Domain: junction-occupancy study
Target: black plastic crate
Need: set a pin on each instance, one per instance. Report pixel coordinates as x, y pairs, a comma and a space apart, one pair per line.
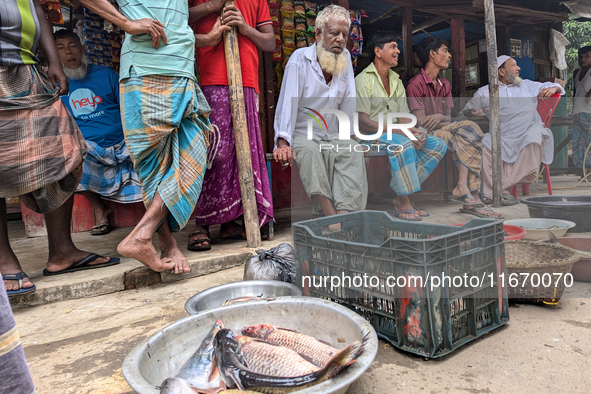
414, 317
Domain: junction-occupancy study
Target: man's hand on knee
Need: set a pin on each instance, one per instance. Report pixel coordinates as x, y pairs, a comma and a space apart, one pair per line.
284, 154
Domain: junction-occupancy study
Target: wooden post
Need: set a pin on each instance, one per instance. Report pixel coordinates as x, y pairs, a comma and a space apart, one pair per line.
458, 49
249, 203
407, 42
493, 87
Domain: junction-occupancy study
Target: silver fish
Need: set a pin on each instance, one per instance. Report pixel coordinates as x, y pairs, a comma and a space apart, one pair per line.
176, 386
201, 371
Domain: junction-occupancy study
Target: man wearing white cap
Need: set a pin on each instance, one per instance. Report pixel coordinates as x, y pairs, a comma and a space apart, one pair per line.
525, 142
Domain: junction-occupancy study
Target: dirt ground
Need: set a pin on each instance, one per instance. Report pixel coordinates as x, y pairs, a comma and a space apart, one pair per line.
78, 346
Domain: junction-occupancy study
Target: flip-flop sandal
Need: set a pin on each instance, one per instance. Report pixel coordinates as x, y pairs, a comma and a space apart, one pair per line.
486, 200
426, 214
508, 200
474, 211
196, 244
83, 264
21, 290
465, 199
101, 229
409, 211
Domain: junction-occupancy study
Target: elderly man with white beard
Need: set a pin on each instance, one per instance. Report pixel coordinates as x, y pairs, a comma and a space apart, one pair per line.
525, 142
316, 79
93, 101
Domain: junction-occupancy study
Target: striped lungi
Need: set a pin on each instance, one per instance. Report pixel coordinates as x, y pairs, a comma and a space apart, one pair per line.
464, 139
15, 375
166, 126
41, 147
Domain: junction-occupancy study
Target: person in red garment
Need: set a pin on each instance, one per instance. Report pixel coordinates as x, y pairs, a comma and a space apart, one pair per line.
220, 200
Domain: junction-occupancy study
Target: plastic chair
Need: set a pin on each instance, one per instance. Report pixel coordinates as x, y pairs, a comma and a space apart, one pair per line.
546, 110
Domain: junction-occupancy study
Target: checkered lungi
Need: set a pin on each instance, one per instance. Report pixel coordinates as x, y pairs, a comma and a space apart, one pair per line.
166, 126
109, 172
41, 147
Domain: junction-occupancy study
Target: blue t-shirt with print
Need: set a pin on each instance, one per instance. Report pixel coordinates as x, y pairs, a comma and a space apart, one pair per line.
94, 103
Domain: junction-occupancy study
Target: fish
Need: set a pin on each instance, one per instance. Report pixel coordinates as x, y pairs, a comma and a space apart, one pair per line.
176, 386
269, 359
312, 349
201, 371
236, 373
245, 299
234, 391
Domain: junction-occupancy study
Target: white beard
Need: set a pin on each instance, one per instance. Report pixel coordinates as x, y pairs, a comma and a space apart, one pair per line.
331, 63
513, 80
80, 72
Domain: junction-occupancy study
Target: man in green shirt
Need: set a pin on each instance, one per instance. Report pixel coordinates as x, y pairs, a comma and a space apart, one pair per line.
380, 91
165, 121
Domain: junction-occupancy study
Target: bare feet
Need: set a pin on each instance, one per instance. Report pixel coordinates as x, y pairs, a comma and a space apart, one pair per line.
66, 259
170, 251
13, 267
142, 250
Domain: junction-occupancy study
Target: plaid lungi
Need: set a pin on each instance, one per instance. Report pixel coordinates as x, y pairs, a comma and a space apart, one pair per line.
16, 378
464, 139
410, 167
41, 147
166, 125
109, 172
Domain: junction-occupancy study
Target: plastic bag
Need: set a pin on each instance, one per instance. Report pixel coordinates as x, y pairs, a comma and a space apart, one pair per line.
276, 264
558, 43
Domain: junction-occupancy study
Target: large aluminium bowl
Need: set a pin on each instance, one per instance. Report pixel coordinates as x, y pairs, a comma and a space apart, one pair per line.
216, 296
162, 356
538, 228
574, 208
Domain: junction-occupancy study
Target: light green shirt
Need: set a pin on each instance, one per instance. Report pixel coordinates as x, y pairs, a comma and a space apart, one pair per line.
177, 58
372, 97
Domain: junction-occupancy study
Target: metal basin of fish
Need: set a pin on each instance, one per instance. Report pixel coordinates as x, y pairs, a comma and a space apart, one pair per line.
162, 356
216, 296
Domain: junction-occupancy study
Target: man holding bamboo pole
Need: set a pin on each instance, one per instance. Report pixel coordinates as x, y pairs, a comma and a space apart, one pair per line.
165, 121
221, 198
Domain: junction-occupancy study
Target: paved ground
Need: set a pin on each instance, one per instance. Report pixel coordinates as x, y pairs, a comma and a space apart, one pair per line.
77, 328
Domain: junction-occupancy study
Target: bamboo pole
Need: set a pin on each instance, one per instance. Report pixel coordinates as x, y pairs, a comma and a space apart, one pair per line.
249, 203
493, 88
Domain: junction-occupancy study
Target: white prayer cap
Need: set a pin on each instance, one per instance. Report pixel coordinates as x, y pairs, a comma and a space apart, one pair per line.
501, 60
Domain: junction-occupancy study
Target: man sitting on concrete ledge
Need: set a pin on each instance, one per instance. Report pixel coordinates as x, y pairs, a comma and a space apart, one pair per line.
320, 78
93, 100
525, 142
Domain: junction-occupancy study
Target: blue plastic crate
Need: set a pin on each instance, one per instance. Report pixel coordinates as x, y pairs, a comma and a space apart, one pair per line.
427, 321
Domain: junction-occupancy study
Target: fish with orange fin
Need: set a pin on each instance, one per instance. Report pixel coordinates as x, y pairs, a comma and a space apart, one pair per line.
237, 373
201, 370
312, 349
269, 359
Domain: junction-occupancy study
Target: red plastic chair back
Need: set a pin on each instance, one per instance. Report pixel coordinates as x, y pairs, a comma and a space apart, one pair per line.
547, 107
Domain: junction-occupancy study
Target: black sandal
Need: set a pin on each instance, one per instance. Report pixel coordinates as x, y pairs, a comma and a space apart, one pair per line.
196, 244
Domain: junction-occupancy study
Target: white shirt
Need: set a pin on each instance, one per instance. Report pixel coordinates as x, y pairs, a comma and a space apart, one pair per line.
521, 124
304, 86
581, 88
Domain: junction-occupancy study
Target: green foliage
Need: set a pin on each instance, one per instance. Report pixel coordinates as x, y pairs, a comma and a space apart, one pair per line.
579, 35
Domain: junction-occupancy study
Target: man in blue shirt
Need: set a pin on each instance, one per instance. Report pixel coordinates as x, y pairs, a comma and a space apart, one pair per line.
94, 102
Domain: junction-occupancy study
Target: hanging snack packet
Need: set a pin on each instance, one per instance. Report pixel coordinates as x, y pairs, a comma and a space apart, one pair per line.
310, 9
288, 39
287, 20
276, 55
300, 38
300, 22
311, 40
277, 33
286, 55
287, 5
353, 15
274, 4
274, 12
298, 6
